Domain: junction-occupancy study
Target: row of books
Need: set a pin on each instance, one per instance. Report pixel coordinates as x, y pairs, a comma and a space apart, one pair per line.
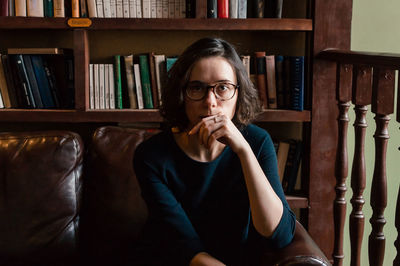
244, 8
289, 153
132, 82
279, 79
98, 8
29, 79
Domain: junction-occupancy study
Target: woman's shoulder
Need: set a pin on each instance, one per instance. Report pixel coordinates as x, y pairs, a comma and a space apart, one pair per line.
253, 132
155, 144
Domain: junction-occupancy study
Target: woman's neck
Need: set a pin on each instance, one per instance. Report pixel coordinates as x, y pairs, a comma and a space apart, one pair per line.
191, 145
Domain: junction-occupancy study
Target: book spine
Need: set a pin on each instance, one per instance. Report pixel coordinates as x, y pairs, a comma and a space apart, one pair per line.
183, 8
34, 8
146, 7
297, 82
259, 8
246, 63
113, 7
83, 7
1, 101
125, 6
101, 87
177, 6
106, 87
3, 85
100, 9
32, 81
107, 8
75, 8
165, 5
160, 72
117, 79
139, 89
4, 8
261, 78
271, 82
132, 8
51, 92
120, 9
25, 82
96, 86
212, 7
11, 8
130, 81
48, 8
159, 9
92, 8
112, 85
145, 77
139, 13
223, 8
280, 89
153, 80
59, 10
20, 8
171, 8
91, 87
10, 81
278, 8
153, 8
233, 8
242, 8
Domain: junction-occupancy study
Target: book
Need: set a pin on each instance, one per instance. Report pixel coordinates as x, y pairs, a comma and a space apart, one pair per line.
138, 86
119, 8
9, 80
48, 8
132, 8
223, 8
233, 8
11, 8
107, 8
153, 82
171, 8
32, 81
145, 77
153, 8
190, 8
170, 62
130, 81
92, 8
106, 87
286, 78
91, 87
273, 8
1, 101
297, 83
259, 6
75, 8
83, 9
112, 85
271, 82
161, 74
96, 79
242, 8
280, 88
164, 6
34, 8
59, 9
139, 13
282, 154
100, 9
182, 8
54, 85
125, 8
292, 166
47, 97
212, 6
4, 8
20, 8
117, 82
41, 50
159, 10
246, 63
3, 86
113, 7
23, 82
101, 87
260, 64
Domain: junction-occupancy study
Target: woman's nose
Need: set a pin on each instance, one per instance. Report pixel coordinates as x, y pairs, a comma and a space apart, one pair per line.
211, 98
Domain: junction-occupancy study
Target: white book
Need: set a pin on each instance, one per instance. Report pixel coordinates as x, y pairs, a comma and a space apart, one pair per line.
101, 86
91, 87
171, 8
35, 8
113, 7
59, 10
120, 9
233, 8
96, 86
106, 87
242, 9
161, 72
158, 8
20, 8
107, 8
125, 6
153, 8
92, 8
100, 10
1, 101
165, 6
111, 85
146, 9
183, 8
132, 8
138, 81
139, 9
130, 80
177, 12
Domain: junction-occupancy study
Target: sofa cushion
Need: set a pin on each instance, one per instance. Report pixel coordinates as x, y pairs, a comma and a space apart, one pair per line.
40, 184
114, 210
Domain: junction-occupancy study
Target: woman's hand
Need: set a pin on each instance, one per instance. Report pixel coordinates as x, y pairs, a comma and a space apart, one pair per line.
219, 128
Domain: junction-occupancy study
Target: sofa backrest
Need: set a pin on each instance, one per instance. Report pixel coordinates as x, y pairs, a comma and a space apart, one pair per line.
114, 211
40, 188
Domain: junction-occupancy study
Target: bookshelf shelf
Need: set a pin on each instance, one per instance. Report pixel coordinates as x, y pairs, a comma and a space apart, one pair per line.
125, 115
162, 24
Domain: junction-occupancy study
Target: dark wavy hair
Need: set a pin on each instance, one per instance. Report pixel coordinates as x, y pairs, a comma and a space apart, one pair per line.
173, 108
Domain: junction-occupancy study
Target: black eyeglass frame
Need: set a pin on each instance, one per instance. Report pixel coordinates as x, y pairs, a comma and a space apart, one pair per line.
208, 87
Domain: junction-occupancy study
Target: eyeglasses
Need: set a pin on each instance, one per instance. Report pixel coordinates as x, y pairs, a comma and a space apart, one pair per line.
223, 91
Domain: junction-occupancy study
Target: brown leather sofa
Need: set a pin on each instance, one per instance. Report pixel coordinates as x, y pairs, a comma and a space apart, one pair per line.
63, 205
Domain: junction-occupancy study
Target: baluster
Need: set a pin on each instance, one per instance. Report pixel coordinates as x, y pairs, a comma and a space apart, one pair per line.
362, 90
396, 261
344, 78
382, 106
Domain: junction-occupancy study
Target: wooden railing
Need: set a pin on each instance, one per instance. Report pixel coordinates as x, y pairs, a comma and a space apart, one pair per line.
363, 79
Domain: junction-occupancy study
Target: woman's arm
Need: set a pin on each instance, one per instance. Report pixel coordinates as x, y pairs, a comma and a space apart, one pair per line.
205, 259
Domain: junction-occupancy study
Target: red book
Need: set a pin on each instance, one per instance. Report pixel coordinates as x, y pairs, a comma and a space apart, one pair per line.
261, 77
223, 8
4, 8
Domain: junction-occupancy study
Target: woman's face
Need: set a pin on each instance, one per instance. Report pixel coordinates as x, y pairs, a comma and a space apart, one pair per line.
210, 70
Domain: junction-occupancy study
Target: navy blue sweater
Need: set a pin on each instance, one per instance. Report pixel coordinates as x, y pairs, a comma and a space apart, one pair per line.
203, 206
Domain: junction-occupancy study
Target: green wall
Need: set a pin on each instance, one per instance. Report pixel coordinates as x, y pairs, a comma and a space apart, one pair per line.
375, 27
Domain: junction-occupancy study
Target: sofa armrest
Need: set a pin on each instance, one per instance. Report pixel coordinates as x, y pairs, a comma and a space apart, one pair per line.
302, 251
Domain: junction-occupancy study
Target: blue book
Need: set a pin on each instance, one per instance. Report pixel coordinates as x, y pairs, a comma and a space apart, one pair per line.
43, 83
170, 61
32, 80
23, 75
297, 83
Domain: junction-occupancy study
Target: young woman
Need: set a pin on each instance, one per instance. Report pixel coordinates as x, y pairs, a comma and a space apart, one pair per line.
210, 182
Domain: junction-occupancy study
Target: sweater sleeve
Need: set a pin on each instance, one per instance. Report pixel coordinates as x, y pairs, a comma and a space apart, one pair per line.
164, 209
284, 232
